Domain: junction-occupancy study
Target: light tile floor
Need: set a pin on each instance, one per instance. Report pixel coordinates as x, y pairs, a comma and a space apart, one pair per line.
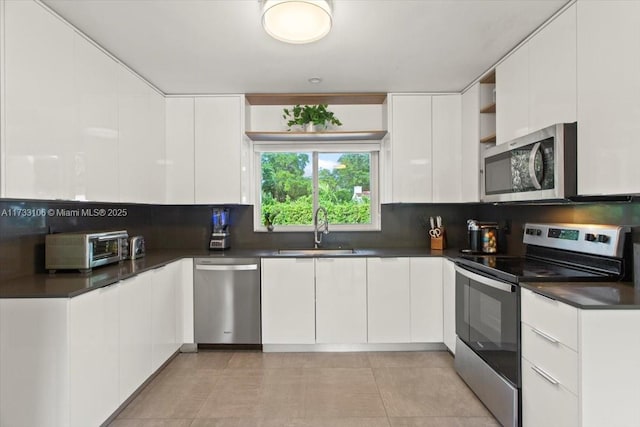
253, 389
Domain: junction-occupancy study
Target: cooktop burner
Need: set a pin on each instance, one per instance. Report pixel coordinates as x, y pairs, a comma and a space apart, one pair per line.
522, 269
560, 253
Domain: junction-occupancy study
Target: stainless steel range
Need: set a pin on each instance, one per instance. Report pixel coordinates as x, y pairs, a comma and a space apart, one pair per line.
488, 301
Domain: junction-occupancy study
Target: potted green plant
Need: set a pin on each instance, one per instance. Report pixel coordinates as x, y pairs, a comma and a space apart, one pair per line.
310, 117
268, 220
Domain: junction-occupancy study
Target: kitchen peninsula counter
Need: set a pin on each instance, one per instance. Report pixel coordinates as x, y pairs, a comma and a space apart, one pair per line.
590, 295
68, 284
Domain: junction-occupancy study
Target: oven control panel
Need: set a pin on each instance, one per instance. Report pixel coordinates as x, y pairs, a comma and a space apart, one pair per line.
606, 240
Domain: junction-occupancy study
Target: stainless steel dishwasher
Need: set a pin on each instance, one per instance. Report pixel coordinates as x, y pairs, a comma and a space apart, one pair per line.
227, 300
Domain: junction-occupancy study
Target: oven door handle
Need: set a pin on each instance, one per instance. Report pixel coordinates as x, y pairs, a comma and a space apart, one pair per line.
502, 286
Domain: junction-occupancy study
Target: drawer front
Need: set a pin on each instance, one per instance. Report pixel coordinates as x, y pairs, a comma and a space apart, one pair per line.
556, 359
544, 403
553, 318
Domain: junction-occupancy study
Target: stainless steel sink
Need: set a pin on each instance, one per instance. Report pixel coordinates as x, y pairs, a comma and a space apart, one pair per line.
319, 251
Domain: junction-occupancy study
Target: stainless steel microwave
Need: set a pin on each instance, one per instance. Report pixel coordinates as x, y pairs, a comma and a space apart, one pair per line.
538, 166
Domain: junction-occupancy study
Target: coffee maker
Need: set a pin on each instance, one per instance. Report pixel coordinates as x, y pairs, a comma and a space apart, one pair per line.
219, 229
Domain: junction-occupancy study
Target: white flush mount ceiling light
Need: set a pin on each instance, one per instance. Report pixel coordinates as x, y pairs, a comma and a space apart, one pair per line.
297, 21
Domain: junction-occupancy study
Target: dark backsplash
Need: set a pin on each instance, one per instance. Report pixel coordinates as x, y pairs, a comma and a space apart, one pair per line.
24, 224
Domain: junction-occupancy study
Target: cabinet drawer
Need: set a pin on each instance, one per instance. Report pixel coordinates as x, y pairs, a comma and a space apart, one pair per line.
551, 317
544, 402
556, 359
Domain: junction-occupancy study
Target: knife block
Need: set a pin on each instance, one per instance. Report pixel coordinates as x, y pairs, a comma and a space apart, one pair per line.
438, 243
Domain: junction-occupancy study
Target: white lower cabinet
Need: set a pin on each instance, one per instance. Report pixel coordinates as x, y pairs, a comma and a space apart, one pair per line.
341, 300
545, 403
579, 367
426, 299
93, 347
163, 314
135, 333
388, 300
352, 300
288, 301
74, 361
449, 304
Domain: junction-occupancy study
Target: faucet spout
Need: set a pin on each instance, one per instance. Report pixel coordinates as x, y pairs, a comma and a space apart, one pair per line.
318, 227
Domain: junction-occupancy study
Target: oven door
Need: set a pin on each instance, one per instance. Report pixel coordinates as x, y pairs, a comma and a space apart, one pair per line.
488, 321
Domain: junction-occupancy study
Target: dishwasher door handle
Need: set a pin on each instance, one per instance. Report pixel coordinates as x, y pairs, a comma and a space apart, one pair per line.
222, 267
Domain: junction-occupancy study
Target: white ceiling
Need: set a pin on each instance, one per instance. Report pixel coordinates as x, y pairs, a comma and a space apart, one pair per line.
219, 46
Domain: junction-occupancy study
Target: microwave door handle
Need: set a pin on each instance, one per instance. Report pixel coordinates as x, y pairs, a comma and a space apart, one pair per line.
505, 287
532, 163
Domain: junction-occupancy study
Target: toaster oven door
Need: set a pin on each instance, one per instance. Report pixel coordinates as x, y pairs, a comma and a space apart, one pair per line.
104, 250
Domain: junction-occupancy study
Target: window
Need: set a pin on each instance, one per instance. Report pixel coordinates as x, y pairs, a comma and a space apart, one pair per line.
293, 183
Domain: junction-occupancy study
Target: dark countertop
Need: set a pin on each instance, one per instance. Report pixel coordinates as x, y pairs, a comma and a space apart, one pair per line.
590, 295
69, 284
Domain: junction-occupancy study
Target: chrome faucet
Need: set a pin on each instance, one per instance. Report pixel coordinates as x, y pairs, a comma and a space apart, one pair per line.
317, 239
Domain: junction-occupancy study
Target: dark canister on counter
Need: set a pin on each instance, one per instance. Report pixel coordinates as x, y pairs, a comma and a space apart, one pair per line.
483, 236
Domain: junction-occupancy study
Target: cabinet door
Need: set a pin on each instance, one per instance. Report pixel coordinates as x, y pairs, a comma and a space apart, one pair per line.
185, 302
543, 401
608, 97
38, 102
341, 300
447, 148
512, 96
163, 316
388, 300
552, 73
426, 299
93, 356
218, 148
288, 301
180, 148
34, 365
449, 304
470, 163
135, 333
96, 131
411, 148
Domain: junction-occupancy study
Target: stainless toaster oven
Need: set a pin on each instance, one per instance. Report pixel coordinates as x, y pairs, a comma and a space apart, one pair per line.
83, 251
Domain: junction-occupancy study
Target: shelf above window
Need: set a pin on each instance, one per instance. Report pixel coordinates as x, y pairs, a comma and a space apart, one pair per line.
315, 98
365, 135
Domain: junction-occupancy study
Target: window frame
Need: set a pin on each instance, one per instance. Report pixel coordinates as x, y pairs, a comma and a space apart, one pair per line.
373, 148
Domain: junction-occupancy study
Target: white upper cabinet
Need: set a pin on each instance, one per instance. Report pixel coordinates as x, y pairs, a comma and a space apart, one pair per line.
608, 97
39, 104
552, 73
95, 156
219, 129
180, 150
411, 142
512, 96
141, 142
470, 161
341, 300
447, 148
536, 84
78, 125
